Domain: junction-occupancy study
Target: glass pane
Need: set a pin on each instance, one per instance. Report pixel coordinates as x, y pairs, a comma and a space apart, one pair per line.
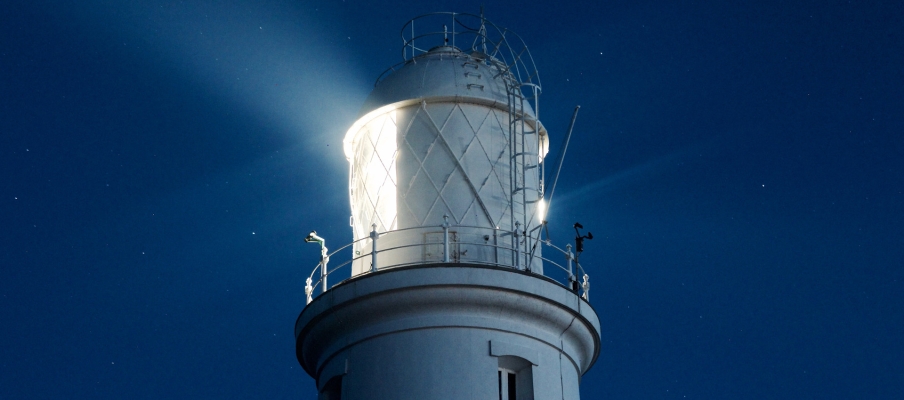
374, 180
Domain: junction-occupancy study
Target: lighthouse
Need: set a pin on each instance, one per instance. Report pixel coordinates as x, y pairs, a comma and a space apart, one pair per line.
448, 289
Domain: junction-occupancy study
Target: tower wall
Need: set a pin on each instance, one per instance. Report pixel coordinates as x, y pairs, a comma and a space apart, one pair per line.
444, 332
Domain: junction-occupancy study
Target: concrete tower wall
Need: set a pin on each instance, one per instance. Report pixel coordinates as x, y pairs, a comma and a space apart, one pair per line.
445, 332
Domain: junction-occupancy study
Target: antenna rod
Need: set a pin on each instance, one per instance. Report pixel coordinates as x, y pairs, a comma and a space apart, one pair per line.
561, 159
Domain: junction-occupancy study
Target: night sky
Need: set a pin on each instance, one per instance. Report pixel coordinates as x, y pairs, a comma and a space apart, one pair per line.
741, 167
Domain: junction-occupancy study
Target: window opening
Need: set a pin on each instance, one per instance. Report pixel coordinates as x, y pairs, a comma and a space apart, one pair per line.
332, 390
508, 384
500, 384
515, 378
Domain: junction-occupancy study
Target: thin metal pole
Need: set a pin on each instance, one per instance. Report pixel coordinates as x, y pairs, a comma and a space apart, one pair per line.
542, 164
324, 259
453, 29
373, 252
496, 245
483, 32
523, 157
445, 238
561, 160
512, 151
568, 257
517, 245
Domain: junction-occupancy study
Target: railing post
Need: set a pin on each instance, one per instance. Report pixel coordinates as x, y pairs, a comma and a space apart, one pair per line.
496, 245
445, 238
453, 29
586, 286
308, 290
373, 252
324, 259
571, 279
517, 245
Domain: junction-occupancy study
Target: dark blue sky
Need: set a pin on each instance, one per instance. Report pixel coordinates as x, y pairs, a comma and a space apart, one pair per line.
741, 167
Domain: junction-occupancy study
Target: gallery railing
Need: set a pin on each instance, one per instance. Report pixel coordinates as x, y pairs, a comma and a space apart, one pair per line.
515, 256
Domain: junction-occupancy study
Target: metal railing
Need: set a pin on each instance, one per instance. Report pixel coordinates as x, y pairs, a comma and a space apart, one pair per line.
511, 256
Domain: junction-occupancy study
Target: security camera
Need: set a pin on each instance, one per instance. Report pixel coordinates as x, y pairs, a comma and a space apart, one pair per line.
313, 238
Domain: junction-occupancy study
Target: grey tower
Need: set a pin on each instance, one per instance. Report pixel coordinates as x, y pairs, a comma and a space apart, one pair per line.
447, 292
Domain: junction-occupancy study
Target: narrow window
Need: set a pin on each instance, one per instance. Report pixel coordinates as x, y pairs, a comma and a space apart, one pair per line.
332, 390
512, 395
500, 384
508, 384
515, 379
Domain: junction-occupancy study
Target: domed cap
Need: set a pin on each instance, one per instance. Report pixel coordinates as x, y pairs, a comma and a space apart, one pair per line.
444, 73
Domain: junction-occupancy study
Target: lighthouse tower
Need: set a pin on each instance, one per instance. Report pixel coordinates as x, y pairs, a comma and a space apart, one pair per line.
448, 289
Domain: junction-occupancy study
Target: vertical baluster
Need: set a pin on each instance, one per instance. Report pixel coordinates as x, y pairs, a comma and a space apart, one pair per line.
373, 252
445, 238
324, 259
517, 245
572, 282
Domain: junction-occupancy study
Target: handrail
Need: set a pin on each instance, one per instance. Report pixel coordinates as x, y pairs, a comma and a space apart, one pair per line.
517, 251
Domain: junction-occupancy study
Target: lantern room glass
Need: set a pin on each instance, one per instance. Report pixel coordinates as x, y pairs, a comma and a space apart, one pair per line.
373, 176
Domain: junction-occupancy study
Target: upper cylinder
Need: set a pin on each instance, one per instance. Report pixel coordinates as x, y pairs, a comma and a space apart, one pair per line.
451, 137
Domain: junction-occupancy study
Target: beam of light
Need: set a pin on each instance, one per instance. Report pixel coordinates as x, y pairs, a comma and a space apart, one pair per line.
270, 59
652, 167
276, 61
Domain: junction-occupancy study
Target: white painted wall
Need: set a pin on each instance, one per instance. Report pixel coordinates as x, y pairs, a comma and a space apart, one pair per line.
437, 332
